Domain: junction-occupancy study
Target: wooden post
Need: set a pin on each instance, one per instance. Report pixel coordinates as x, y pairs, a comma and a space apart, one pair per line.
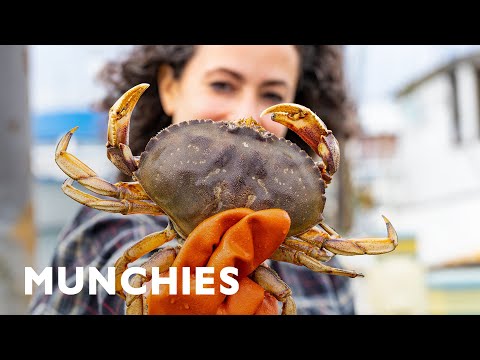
345, 193
17, 233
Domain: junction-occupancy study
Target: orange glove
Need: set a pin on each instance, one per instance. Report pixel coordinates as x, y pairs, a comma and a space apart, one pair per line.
241, 238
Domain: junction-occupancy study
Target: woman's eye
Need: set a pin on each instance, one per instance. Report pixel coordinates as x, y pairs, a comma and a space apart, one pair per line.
273, 97
221, 86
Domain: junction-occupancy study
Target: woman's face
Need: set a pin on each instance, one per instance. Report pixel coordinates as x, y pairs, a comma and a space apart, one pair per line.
230, 82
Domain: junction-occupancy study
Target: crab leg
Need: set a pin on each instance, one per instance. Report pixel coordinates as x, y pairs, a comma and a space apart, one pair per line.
329, 230
162, 259
268, 279
313, 131
137, 250
124, 206
317, 252
305, 250
119, 115
290, 255
331, 241
80, 172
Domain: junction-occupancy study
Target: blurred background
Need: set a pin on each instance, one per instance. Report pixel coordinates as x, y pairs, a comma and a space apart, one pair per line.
417, 161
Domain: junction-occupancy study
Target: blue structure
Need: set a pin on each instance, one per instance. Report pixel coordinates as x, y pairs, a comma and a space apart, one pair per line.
48, 127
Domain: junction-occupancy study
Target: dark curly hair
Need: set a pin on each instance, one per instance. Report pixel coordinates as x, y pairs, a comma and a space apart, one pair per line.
321, 88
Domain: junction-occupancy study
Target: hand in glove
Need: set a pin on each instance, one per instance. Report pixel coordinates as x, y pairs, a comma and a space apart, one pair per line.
240, 238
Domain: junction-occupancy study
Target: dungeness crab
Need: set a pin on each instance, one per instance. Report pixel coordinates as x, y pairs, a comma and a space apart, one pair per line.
195, 169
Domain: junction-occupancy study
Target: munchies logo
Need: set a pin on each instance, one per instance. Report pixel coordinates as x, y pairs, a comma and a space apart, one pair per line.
96, 278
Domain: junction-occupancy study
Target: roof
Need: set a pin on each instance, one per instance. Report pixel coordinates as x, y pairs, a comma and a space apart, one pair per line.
472, 58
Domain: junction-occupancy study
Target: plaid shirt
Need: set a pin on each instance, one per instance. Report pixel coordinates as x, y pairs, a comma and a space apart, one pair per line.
97, 239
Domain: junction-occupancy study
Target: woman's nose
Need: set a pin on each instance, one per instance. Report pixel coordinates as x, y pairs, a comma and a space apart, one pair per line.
245, 110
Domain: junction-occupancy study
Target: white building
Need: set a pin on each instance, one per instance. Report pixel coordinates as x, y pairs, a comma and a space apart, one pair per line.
438, 161
422, 171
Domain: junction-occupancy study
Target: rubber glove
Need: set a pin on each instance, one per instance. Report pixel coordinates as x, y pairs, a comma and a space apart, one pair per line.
241, 238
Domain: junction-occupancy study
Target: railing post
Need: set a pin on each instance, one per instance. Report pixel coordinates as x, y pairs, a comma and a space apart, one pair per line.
17, 230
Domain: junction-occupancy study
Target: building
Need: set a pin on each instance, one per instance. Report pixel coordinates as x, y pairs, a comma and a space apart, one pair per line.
443, 111
425, 177
439, 153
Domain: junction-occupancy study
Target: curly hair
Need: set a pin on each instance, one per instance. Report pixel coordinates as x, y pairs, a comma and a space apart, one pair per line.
321, 88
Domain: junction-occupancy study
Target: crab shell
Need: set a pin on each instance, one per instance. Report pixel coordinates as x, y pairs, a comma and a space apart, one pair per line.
198, 168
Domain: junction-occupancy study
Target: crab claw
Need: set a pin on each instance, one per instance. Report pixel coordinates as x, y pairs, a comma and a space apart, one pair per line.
119, 115
312, 130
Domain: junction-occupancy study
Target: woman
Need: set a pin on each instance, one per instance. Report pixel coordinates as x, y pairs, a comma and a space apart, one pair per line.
218, 82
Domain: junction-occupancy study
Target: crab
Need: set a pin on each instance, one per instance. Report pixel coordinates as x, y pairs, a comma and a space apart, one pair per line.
198, 168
